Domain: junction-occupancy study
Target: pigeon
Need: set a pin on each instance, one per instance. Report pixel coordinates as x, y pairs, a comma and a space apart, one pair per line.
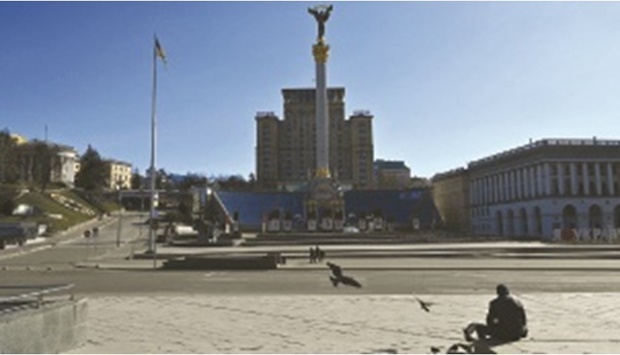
425, 305
338, 278
460, 348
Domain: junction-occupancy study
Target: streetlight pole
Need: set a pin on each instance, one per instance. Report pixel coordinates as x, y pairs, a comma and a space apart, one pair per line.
120, 217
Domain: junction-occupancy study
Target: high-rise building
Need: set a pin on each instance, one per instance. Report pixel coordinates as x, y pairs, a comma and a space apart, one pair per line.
286, 148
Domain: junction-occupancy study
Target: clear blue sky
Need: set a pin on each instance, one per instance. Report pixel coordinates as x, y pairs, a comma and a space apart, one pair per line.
447, 82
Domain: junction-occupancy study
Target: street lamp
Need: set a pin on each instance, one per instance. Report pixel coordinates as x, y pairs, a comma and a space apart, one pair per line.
120, 213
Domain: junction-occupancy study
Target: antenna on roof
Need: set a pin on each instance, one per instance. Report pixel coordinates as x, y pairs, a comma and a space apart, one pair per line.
45, 133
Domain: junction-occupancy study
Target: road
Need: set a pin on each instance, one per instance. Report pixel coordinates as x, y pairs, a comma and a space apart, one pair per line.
55, 265
64, 255
101, 282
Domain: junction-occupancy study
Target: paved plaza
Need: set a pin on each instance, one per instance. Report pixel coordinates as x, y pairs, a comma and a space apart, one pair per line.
194, 323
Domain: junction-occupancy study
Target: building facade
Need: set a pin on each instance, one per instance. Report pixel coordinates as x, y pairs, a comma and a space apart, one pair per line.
286, 148
391, 174
62, 164
118, 175
451, 196
546, 187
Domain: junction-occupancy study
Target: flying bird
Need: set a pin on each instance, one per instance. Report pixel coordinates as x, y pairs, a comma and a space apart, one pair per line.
339, 278
424, 305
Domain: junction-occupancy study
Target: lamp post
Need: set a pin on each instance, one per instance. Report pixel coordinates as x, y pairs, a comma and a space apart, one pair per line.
120, 214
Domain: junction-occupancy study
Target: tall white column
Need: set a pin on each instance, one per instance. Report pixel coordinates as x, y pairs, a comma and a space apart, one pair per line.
320, 51
573, 179
519, 184
586, 179
322, 127
476, 189
540, 180
610, 179
491, 189
487, 190
502, 187
509, 185
532, 182
495, 188
526, 183
560, 168
547, 179
597, 178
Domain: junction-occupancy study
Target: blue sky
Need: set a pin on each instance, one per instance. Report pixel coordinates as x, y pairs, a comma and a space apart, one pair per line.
448, 82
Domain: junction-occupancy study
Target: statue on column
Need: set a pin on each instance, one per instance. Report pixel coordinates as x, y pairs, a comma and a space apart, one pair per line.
321, 14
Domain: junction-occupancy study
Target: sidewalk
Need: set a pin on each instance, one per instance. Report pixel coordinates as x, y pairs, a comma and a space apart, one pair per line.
558, 323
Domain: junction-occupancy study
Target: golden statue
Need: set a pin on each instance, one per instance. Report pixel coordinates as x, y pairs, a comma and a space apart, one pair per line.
321, 14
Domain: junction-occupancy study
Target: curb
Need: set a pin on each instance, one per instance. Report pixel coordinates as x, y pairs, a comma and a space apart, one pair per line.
103, 266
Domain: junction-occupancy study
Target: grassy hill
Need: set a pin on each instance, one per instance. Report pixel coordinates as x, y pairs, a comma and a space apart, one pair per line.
59, 208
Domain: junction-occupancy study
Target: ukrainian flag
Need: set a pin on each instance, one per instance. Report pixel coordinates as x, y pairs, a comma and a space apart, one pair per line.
159, 51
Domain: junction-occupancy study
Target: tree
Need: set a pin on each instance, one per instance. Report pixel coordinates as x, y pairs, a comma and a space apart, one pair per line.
46, 157
192, 180
252, 182
232, 183
9, 163
92, 174
162, 180
136, 179
37, 161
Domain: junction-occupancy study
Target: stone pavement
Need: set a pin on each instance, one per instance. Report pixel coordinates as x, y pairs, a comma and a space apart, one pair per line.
558, 323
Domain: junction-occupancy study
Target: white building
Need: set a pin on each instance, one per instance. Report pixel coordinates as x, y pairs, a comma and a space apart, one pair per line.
548, 186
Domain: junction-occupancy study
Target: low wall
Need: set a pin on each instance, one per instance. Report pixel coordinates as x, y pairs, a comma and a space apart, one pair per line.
52, 328
229, 262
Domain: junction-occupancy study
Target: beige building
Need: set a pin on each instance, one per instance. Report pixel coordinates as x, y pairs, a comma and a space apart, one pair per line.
118, 175
451, 196
286, 149
392, 174
62, 164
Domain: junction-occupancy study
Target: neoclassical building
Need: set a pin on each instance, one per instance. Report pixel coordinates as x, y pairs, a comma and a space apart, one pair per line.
547, 186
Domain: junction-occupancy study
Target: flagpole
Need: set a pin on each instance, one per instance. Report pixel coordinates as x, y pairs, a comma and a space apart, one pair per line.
152, 236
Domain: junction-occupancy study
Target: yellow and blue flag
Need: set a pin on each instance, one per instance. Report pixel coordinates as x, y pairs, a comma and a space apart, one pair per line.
159, 51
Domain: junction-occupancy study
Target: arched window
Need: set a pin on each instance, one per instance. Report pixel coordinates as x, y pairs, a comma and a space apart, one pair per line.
523, 221
569, 217
538, 221
500, 223
511, 223
617, 216
595, 217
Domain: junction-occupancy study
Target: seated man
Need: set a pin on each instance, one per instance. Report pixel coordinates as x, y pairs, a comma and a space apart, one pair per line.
506, 320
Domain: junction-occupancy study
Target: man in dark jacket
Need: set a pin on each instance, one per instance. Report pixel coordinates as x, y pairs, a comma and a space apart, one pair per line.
506, 319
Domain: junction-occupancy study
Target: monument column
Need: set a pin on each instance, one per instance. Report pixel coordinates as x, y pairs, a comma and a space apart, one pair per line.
320, 51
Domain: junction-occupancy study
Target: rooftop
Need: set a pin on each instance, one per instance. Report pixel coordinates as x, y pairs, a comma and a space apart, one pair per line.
544, 143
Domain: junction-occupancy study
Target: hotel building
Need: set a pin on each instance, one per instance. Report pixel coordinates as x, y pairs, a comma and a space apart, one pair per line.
286, 148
